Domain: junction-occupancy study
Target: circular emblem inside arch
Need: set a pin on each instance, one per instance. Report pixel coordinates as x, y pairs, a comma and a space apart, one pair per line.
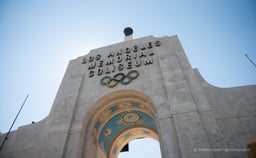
131, 117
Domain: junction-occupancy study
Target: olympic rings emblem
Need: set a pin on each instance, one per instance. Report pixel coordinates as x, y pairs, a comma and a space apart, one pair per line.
111, 82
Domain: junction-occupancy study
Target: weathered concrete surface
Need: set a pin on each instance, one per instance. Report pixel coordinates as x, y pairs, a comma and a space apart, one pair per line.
194, 118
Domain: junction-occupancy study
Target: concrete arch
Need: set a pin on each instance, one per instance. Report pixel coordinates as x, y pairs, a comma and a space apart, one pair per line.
133, 133
130, 113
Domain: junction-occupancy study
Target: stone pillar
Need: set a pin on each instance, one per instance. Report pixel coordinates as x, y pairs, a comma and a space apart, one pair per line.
168, 139
190, 131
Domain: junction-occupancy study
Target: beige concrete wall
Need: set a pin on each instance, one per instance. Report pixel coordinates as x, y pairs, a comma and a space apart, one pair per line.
192, 114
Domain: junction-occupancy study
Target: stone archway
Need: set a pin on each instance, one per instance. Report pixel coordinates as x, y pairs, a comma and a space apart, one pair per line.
116, 119
129, 135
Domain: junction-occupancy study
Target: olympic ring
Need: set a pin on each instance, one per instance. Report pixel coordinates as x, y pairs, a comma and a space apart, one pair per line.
111, 82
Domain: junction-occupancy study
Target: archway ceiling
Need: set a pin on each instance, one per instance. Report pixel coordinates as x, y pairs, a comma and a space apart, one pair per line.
118, 118
111, 110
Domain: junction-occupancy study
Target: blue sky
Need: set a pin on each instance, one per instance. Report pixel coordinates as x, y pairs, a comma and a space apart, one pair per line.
38, 38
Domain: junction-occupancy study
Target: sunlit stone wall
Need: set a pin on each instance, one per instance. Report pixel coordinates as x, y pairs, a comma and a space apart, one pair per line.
189, 117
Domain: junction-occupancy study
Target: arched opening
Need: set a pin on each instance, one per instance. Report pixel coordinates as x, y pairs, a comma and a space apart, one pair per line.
128, 135
145, 147
116, 119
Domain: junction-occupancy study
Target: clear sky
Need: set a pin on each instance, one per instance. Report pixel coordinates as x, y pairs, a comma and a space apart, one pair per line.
39, 37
